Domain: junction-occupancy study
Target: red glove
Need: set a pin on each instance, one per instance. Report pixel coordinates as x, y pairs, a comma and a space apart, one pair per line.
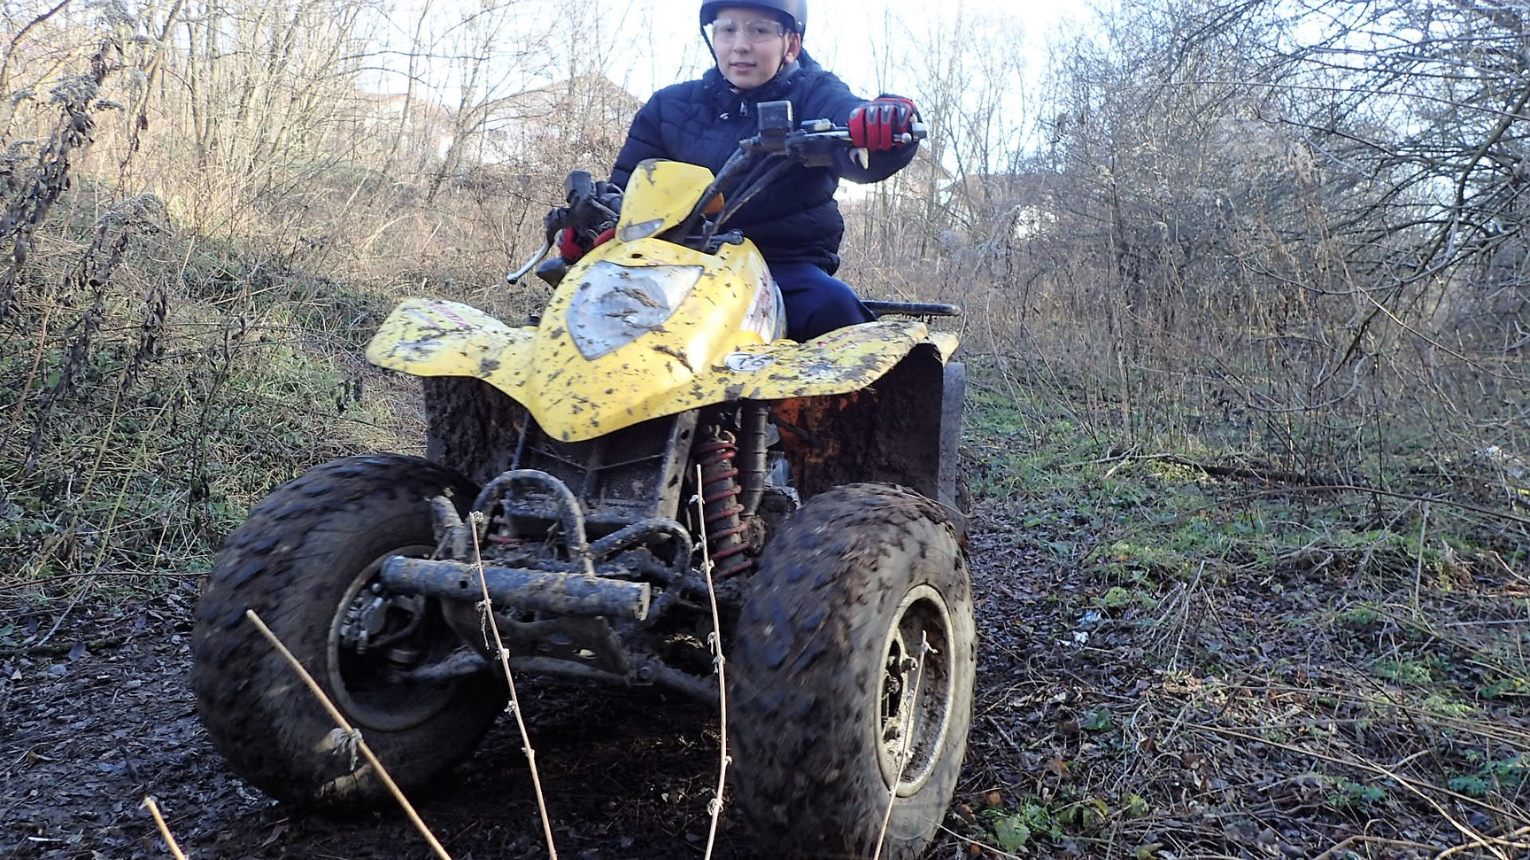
876, 125
570, 248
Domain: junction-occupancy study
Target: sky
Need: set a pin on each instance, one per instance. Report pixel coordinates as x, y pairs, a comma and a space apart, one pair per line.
475, 52
853, 39
644, 45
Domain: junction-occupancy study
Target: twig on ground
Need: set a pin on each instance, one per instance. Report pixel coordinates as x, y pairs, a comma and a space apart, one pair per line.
351, 731
78, 595
126, 574
152, 805
714, 807
1508, 569
1483, 658
1500, 733
1509, 842
1476, 839
1343, 847
1008, 738
515, 702
1179, 604
984, 846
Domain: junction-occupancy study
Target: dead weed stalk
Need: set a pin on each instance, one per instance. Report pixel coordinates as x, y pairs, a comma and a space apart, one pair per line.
1175, 617
908, 741
152, 805
75, 132
715, 805
92, 275
515, 703
351, 732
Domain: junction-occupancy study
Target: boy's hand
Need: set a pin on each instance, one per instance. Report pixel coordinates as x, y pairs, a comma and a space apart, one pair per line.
568, 245
571, 247
877, 125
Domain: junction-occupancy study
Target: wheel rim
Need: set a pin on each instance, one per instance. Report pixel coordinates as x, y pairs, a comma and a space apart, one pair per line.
361, 682
914, 700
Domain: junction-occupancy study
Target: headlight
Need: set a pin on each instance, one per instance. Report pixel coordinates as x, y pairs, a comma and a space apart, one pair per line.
614, 305
641, 230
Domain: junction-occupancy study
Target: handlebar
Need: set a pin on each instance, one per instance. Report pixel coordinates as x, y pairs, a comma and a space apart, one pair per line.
814, 143
798, 142
916, 131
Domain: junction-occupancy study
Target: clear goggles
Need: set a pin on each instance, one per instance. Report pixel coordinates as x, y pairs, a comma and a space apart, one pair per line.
759, 30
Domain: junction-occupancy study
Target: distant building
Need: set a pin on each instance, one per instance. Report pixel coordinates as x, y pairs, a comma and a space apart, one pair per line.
917, 182
422, 128
1023, 201
573, 121
568, 122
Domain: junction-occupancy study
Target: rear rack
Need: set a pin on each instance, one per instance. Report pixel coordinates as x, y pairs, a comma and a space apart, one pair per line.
913, 309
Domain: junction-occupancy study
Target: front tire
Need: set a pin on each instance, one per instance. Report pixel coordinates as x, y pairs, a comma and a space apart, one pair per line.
852, 670
306, 561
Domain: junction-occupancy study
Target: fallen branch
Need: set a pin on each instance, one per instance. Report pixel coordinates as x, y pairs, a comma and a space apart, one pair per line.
351, 731
1325, 483
1342, 847
56, 649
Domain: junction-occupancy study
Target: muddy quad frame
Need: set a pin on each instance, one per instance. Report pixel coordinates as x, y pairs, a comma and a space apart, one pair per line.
630, 491
834, 531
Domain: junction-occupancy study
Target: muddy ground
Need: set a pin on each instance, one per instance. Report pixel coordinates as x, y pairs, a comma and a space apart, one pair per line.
1095, 735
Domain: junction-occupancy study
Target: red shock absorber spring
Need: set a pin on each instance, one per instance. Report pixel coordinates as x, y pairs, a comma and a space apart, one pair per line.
719, 504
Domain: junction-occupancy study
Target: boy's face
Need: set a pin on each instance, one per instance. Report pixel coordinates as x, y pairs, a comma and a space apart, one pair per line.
745, 63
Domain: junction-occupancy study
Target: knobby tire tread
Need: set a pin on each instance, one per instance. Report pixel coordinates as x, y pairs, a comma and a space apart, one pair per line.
799, 671
255, 708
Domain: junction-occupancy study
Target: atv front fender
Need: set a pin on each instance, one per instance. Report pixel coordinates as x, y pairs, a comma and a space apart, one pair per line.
434, 337
425, 337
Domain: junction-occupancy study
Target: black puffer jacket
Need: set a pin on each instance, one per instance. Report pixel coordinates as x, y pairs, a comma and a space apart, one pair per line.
702, 121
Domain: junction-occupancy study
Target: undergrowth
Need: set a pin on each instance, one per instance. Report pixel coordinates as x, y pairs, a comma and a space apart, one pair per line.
140, 421
1235, 660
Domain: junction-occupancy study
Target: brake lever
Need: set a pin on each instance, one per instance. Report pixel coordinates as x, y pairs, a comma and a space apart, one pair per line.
514, 277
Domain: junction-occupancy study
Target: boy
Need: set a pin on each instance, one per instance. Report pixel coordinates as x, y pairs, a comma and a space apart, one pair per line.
796, 224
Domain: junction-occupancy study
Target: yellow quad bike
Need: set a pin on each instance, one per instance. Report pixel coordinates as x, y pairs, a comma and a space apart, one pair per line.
580, 469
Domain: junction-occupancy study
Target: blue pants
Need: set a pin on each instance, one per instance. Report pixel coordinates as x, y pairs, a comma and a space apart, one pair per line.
816, 301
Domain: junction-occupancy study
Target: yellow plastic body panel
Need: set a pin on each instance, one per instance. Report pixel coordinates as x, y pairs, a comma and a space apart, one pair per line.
434, 337
660, 195
574, 399
719, 342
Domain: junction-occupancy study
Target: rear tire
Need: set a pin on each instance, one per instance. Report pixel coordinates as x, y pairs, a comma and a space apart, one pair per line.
825, 681
304, 561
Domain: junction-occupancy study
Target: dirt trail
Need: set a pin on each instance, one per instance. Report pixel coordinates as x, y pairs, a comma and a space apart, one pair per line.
102, 715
